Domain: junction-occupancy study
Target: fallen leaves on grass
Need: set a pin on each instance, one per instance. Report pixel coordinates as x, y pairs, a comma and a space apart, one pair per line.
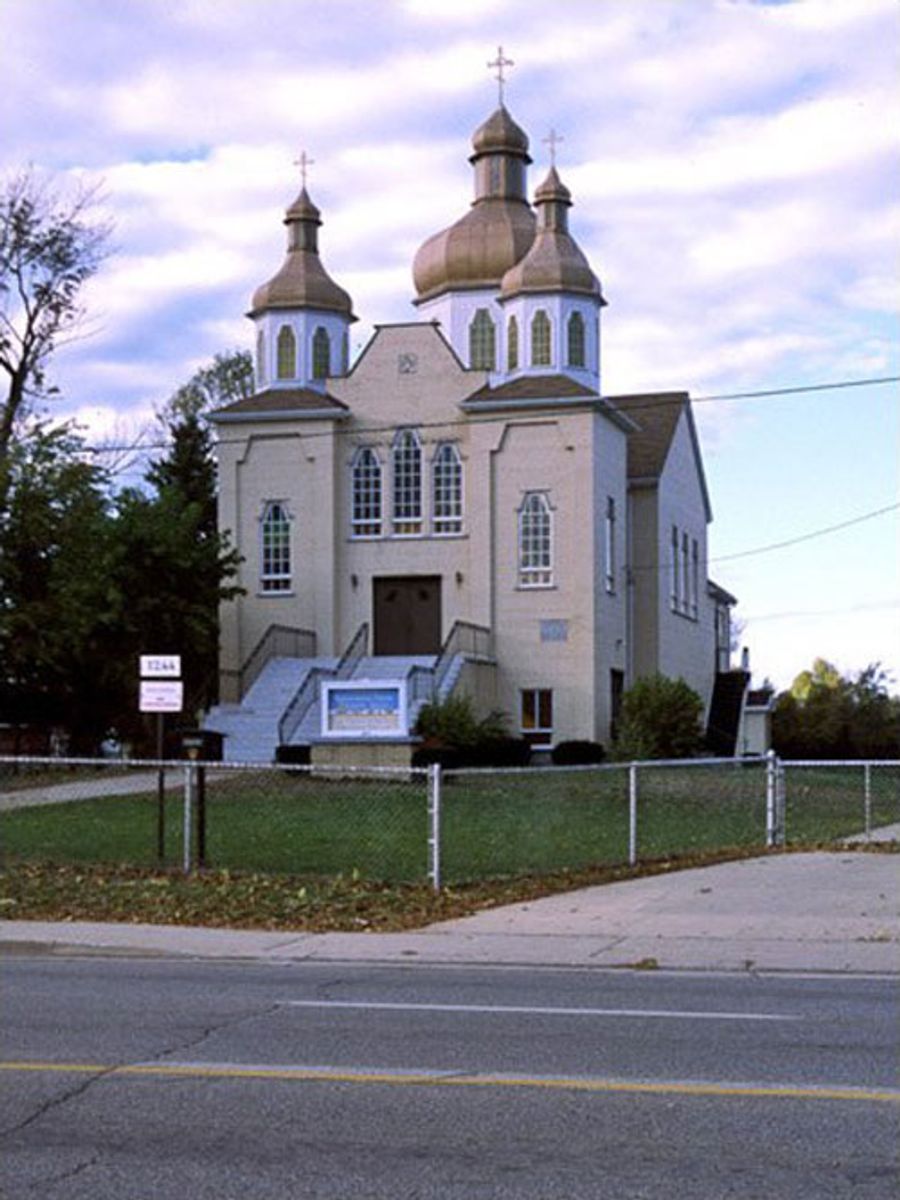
252, 900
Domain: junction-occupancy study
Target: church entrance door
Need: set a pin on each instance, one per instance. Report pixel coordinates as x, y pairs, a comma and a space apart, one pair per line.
406, 613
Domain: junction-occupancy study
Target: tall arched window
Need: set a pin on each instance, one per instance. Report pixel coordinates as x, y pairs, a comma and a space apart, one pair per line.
275, 538
576, 340
321, 353
260, 358
482, 341
287, 353
535, 541
366, 520
540, 339
446, 490
407, 463
512, 344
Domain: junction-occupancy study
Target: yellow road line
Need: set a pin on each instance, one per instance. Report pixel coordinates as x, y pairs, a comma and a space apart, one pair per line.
446, 1079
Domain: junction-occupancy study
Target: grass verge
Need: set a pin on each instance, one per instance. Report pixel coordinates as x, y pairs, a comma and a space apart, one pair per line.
250, 900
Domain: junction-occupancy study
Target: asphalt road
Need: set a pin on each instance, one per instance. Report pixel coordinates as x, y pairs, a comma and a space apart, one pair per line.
153, 1079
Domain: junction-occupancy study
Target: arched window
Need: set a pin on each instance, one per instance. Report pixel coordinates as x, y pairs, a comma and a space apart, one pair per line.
540, 339
535, 541
275, 536
287, 353
366, 520
576, 340
260, 358
321, 353
407, 462
345, 352
482, 341
512, 344
446, 490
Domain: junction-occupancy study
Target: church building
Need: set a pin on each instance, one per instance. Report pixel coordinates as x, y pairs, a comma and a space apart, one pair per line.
461, 510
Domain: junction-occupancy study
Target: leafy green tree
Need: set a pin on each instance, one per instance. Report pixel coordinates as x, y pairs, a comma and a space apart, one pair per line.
827, 715
661, 718
50, 246
228, 377
54, 608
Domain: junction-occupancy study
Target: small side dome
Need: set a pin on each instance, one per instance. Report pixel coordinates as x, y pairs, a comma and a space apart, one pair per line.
555, 262
302, 281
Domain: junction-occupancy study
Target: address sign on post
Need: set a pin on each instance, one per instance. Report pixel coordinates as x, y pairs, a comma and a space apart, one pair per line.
160, 666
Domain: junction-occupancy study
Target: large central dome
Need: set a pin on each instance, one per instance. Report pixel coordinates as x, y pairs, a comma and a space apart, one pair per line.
479, 249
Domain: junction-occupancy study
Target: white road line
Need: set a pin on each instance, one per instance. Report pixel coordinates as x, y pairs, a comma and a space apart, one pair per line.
530, 1010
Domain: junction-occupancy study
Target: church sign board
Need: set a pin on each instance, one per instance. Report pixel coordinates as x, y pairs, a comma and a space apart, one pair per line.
364, 709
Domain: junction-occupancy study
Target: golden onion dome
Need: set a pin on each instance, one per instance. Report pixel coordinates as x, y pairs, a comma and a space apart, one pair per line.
302, 281
478, 249
554, 262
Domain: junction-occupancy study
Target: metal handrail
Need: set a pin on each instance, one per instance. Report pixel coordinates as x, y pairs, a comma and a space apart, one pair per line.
475, 641
307, 694
279, 641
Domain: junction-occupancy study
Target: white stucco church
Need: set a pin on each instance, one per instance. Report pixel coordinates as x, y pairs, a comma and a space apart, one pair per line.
462, 509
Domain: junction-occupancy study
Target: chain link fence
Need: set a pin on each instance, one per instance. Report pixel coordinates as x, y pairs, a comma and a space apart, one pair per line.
411, 824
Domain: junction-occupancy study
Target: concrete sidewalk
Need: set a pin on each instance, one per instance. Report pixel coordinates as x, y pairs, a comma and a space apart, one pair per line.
793, 912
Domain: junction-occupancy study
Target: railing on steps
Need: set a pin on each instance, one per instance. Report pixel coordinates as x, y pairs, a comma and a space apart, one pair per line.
465, 638
308, 692
279, 641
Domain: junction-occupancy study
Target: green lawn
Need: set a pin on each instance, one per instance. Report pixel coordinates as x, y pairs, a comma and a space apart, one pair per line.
493, 824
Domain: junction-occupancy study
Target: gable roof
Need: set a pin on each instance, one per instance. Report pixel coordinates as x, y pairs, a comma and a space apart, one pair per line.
532, 391
656, 415
278, 404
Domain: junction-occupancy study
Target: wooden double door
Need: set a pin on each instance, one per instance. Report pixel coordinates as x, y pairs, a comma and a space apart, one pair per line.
406, 614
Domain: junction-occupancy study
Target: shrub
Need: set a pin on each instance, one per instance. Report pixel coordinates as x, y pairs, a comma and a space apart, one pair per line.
455, 737
661, 718
577, 753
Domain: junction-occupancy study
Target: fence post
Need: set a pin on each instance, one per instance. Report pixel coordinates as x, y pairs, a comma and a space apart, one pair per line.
867, 776
188, 814
434, 825
632, 813
771, 798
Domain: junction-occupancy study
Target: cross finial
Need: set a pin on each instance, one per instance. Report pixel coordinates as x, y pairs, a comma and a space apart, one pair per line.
303, 162
500, 62
552, 140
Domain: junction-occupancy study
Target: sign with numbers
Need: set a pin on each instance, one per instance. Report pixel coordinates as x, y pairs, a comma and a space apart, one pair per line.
160, 666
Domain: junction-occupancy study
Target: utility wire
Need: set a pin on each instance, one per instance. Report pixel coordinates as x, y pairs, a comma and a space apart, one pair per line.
671, 398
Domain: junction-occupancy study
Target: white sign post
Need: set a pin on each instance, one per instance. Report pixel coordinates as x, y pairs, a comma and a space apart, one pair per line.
161, 691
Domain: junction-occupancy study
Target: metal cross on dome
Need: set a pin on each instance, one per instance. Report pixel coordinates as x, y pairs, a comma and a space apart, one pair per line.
552, 140
303, 162
500, 62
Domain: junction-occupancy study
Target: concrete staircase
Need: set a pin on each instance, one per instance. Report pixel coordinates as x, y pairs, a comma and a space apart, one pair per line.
251, 727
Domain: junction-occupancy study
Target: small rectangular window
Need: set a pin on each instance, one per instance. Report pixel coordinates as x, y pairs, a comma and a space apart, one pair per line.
610, 547
685, 573
695, 577
676, 582
537, 716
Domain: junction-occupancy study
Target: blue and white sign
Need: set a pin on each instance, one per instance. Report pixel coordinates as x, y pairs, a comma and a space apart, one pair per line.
364, 709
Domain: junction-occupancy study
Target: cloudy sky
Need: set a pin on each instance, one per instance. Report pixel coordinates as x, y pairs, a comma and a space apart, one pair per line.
734, 167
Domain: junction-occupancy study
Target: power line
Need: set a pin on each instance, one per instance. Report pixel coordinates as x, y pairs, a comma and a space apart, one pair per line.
667, 564
808, 537
876, 606
451, 423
